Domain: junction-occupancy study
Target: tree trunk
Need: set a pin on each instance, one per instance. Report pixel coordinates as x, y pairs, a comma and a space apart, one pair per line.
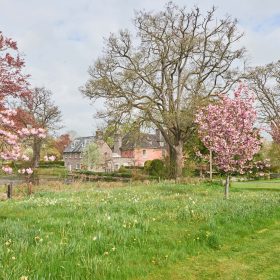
37, 144
176, 160
172, 162
211, 165
227, 187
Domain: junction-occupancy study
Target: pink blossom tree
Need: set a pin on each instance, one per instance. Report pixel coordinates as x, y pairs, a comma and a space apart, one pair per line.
13, 84
226, 128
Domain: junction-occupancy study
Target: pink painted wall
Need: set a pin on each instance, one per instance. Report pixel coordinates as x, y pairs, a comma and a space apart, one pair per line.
140, 156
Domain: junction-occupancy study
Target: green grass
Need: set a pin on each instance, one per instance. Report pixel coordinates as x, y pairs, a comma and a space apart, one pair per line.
52, 171
273, 185
162, 231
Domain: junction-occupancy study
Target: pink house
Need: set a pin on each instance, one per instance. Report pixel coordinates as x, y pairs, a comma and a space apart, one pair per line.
145, 147
129, 150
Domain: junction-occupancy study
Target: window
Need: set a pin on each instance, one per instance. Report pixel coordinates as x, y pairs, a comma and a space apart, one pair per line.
81, 156
70, 155
65, 156
144, 152
77, 166
76, 156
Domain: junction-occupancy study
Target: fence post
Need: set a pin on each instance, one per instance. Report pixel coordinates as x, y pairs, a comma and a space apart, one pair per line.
10, 190
29, 188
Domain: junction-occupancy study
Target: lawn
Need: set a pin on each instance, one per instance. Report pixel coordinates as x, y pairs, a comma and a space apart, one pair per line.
258, 185
160, 231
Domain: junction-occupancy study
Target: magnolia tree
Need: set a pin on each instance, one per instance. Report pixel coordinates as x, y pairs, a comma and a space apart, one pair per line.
13, 84
226, 128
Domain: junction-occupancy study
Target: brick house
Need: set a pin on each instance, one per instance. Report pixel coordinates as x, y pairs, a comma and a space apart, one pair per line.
72, 155
127, 151
140, 148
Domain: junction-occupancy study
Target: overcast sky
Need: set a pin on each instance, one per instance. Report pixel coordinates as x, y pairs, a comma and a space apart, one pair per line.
61, 38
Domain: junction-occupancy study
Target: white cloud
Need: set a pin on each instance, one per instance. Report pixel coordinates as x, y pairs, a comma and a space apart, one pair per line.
61, 38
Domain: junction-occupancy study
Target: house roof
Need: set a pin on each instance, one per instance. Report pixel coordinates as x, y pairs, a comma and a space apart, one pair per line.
77, 145
144, 140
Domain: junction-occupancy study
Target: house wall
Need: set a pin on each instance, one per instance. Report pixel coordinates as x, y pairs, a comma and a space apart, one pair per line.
127, 153
72, 161
141, 155
115, 163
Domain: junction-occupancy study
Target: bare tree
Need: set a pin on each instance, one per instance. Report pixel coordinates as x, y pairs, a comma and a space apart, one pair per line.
159, 76
45, 114
265, 82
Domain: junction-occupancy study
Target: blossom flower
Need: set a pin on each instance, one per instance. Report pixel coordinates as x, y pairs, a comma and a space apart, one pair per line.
7, 169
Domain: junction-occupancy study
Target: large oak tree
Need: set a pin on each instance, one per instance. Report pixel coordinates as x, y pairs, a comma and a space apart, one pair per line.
176, 58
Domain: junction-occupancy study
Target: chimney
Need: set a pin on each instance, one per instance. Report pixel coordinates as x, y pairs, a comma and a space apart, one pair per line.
98, 135
117, 143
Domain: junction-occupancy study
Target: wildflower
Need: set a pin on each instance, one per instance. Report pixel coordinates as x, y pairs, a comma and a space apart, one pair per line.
29, 171
106, 253
23, 278
114, 249
8, 243
13, 258
94, 238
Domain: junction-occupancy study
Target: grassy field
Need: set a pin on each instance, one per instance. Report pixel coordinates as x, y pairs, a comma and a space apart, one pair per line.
273, 185
160, 231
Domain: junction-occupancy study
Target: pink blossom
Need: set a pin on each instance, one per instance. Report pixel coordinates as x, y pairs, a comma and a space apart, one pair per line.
227, 128
29, 171
7, 169
25, 158
52, 158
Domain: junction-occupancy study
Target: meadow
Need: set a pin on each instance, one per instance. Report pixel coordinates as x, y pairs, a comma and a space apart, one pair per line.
141, 231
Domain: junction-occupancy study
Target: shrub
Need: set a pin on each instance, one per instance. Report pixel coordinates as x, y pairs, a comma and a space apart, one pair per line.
49, 164
123, 169
157, 168
147, 166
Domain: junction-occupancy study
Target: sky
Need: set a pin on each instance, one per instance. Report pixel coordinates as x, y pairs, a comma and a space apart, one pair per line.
60, 39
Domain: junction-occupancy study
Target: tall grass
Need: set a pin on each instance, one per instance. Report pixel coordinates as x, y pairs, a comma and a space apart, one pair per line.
129, 232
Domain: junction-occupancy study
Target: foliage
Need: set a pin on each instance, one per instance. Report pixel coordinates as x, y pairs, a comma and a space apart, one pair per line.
160, 76
61, 143
264, 80
227, 128
91, 156
13, 87
156, 168
160, 231
110, 174
44, 113
51, 164
123, 169
147, 166
274, 156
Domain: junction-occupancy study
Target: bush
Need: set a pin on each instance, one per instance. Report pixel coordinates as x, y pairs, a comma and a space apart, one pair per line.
147, 166
49, 164
157, 168
105, 174
123, 169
